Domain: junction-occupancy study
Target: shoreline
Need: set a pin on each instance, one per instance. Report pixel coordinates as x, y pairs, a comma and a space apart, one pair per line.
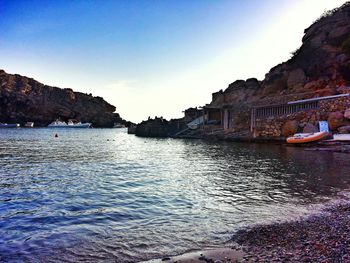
224, 254
323, 236
320, 237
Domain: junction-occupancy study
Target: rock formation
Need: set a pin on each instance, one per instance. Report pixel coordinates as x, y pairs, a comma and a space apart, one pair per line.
159, 127
290, 128
320, 67
24, 99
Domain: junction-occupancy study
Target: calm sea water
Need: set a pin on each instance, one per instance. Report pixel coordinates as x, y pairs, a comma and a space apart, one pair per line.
101, 195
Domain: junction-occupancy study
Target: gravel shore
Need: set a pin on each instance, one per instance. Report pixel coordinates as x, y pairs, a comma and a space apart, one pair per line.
324, 237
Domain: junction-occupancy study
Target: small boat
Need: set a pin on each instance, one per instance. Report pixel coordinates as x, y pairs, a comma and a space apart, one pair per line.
70, 124
195, 124
307, 137
118, 125
9, 125
58, 124
29, 124
341, 137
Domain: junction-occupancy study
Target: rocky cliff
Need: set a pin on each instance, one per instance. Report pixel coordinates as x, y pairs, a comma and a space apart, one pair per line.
24, 99
320, 67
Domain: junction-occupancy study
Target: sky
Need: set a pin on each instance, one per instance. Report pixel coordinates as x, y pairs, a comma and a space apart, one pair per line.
155, 57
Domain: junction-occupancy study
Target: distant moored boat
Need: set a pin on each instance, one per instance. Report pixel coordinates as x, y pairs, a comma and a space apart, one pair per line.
29, 124
70, 124
118, 125
9, 125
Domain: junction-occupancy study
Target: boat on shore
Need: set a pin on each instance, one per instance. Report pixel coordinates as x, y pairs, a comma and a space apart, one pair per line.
70, 124
118, 125
341, 137
29, 124
9, 125
307, 137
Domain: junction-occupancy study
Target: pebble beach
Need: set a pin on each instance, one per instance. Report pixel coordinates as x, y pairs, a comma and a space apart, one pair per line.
324, 237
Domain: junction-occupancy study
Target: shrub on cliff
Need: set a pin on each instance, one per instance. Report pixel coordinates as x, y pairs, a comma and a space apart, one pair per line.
346, 45
328, 13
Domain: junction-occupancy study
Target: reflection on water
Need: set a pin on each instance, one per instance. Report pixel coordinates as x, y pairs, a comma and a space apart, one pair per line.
100, 195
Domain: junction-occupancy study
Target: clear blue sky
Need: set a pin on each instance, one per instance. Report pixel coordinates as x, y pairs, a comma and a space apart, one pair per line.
151, 57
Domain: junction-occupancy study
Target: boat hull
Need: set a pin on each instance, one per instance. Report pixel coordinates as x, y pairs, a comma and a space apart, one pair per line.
5, 125
87, 125
29, 124
341, 137
307, 137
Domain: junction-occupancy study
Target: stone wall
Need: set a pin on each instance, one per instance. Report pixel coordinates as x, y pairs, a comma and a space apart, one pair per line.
332, 110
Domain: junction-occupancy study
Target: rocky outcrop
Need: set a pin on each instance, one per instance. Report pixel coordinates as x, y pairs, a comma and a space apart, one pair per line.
347, 114
335, 120
320, 67
24, 99
159, 127
344, 129
290, 128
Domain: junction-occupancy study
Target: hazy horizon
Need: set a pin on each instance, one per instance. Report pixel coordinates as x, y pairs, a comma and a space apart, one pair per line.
151, 58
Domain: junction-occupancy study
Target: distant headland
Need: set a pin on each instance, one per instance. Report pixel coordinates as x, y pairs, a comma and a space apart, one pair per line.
24, 99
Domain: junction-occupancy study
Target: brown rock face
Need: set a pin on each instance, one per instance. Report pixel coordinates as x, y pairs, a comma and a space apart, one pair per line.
320, 67
24, 99
290, 128
344, 129
347, 114
296, 79
335, 120
157, 127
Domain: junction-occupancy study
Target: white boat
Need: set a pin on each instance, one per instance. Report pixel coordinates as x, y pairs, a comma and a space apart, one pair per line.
70, 124
9, 125
195, 123
118, 125
341, 137
29, 124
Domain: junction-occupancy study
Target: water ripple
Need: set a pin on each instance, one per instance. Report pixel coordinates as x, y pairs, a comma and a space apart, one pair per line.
102, 195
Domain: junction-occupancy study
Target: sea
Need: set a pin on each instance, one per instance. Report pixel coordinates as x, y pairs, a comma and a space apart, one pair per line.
101, 195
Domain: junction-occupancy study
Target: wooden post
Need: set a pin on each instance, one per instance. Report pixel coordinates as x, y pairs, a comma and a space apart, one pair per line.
221, 117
